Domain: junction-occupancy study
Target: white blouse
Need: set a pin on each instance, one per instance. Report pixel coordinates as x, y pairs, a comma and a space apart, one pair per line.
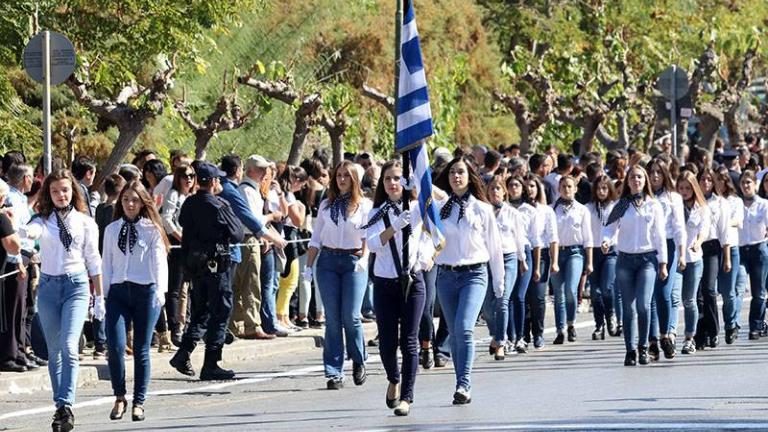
640, 230
147, 264
574, 225
249, 189
699, 221
549, 232
420, 251
674, 216
170, 211
474, 239
597, 221
735, 214
532, 226
755, 222
347, 234
718, 215
511, 230
84, 250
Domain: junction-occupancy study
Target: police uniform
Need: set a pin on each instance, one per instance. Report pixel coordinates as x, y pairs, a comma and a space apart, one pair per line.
210, 226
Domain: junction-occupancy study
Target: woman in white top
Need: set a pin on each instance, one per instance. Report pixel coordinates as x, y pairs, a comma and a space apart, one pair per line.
342, 272
640, 242
69, 251
472, 246
606, 301
728, 282
531, 228
574, 230
697, 222
753, 251
183, 185
135, 269
665, 301
510, 223
398, 296
715, 249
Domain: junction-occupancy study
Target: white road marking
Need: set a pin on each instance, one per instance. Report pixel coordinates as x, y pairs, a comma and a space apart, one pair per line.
698, 426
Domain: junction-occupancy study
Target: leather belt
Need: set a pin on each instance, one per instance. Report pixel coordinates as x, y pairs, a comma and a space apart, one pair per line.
462, 268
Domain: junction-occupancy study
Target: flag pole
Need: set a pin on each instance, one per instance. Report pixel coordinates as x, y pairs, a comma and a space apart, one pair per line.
406, 154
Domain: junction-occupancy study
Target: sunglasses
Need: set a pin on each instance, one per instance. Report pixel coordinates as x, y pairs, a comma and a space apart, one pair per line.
190, 176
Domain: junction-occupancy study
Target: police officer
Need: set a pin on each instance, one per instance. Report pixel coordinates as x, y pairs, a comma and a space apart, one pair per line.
210, 226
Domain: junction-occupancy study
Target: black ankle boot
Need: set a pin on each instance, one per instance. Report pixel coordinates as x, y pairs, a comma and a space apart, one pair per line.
63, 419
642, 355
631, 358
181, 363
211, 370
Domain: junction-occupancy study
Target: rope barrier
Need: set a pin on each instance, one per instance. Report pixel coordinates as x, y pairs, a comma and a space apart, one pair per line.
3, 276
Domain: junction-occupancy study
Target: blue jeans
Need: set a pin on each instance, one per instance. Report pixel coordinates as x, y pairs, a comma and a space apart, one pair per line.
726, 285
601, 282
63, 306
502, 306
342, 289
755, 261
635, 277
516, 322
675, 300
368, 297
461, 297
268, 292
691, 279
130, 302
565, 284
661, 302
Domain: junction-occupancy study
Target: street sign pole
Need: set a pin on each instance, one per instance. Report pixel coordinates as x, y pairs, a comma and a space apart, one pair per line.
673, 110
47, 102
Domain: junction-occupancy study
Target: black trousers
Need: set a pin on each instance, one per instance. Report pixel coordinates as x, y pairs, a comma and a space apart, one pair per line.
536, 299
13, 308
426, 326
709, 321
398, 319
211, 306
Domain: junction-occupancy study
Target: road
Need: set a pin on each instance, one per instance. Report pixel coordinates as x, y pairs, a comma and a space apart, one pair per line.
578, 386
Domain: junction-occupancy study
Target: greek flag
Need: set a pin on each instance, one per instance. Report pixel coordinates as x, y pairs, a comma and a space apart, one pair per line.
414, 120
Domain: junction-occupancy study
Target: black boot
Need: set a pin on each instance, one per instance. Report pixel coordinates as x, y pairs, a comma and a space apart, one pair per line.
63, 420
180, 361
211, 370
176, 334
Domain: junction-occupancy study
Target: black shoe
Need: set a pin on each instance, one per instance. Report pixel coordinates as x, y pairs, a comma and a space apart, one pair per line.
753, 335
12, 366
137, 414
118, 409
599, 333
731, 335
668, 346
491, 349
764, 330
374, 342
611, 324
689, 347
462, 396
176, 334
63, 420
229, 337
29, 364
521, 347
211, 370
335, 384
642, 355
499, 353
181, 363
440, 360
653, 350
392, 403
571, 333
631, 358
559, 339
619, 330
36, 359
426, 358
302, 323
359, 375
714, 341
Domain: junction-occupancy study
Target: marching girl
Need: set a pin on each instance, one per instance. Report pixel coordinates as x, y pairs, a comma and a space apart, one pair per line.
135, 268
606, 302
531, 228
642, 255
754, 253
473, 246
574, 229
715, 249
663, 308
398, 309
69, 249
697, 224
341, 272
510, 226
728, 281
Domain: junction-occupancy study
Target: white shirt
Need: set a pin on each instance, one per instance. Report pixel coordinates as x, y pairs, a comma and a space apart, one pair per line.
718, 216
511, 230
531, 226
735, 214
474, 239
640, 230
755, 220
597, 222
674, 227
84, 250
147, 264
347, 234
163, 186
249, 189
699, 221
574, 225
420, 251
170, 211
21, 216
549, 232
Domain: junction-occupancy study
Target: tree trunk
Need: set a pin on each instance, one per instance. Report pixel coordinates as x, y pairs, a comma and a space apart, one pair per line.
128, 134
708, 129
201, 145
589, 130
299, 137
336, 147
651, 133
525, 134
733, 125
623, 128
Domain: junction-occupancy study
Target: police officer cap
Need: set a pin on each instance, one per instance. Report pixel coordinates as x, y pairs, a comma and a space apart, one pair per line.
206, 171
729, 154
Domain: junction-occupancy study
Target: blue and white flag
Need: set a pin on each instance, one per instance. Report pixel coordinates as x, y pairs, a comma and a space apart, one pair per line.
414, 120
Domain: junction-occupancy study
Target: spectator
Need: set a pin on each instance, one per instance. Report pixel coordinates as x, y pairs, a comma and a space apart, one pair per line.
13, 296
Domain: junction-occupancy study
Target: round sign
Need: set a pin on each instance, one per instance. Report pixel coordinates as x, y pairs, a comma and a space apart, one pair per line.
673, 77
62, 57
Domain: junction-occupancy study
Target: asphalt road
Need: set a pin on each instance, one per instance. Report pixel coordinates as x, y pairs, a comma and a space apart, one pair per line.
578, 386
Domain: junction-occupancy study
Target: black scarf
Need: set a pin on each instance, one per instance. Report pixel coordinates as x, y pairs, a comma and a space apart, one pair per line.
659, 191
567, 204
708, 196
687, 212
622, 206
64, 235
394, 205
516, 202
498, 205
339, 207
128, 235
461, 201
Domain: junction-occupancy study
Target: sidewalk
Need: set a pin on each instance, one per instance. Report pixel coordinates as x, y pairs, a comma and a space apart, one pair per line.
241, 351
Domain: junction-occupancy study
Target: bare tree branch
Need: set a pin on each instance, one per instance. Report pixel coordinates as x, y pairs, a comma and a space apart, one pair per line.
387, 101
